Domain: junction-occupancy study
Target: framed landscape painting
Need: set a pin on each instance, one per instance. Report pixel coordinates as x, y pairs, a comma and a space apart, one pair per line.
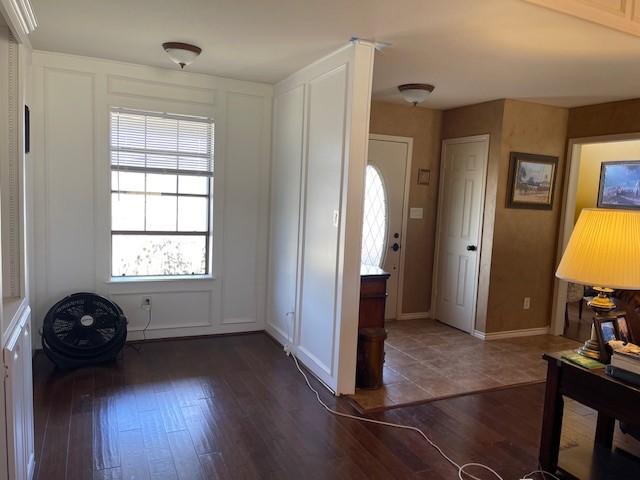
531, 181
619, 185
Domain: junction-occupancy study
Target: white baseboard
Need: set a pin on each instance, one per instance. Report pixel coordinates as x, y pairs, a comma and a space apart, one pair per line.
525, 332
414, 316
179, 332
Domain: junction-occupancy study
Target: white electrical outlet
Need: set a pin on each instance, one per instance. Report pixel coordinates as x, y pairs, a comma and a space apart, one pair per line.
145, 304
526, 305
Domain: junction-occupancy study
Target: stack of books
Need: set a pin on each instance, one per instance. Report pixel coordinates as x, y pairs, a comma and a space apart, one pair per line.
625, 366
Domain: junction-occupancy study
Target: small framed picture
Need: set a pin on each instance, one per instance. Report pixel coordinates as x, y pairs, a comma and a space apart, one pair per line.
619, 185
531, 181
424, 176
606, 330
624, 332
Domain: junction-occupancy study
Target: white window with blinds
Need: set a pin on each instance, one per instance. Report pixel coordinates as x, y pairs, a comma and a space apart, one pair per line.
161, 194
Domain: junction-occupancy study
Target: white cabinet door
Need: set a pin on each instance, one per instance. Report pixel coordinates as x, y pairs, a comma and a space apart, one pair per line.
19, 401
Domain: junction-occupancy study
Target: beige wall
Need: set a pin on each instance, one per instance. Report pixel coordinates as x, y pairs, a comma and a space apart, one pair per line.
423, 125
524, 245
518, 246
591, 158
604, 119
484, 118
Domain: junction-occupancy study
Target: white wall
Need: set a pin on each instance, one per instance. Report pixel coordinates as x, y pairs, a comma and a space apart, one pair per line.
71, 100
320, 137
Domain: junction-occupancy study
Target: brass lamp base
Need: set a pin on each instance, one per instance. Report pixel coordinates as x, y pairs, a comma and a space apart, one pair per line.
602, 302
591, 347
601, 305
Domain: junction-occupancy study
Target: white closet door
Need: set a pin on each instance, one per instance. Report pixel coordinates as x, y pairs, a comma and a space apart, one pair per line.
19, 401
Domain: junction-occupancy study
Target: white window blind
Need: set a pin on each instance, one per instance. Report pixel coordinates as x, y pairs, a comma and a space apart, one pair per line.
161, 193
161, 142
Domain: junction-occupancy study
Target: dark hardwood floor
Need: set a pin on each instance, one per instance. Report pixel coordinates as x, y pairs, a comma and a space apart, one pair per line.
236, 407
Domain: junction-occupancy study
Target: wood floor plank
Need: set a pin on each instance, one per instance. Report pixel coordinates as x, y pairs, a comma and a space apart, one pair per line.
214, 466
236, 408
154, 436
108, 474
170, 411
53, 459
106, 449
133, 458
184, 456
79, 464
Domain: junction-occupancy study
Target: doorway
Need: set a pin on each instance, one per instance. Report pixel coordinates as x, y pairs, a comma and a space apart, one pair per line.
385, 212
571, 317
458, 245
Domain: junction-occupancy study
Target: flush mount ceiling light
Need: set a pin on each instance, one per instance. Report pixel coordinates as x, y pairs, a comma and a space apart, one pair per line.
181, 53
415, 92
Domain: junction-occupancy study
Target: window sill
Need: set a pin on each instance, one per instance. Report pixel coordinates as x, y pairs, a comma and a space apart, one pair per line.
160, 279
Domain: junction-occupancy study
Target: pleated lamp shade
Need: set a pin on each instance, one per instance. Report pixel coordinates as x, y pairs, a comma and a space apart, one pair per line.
604, 250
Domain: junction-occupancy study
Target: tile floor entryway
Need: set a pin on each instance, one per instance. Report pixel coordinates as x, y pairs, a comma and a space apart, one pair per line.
427, 360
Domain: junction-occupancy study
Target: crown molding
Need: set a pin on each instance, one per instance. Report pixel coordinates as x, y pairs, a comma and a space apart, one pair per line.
622, 15
20, 17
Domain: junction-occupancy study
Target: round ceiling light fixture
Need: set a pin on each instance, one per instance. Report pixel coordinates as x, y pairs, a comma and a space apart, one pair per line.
181, 53
415, 92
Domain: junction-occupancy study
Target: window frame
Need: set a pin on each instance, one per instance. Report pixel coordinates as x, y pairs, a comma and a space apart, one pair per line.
208, 233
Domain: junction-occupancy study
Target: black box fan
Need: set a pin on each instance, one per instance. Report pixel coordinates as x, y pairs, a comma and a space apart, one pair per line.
83, 329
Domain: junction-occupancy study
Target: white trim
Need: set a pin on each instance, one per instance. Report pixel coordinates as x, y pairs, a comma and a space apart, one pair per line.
568, 215
414, 316
434, 290
405, 212
19, 16
525, 332
182, 331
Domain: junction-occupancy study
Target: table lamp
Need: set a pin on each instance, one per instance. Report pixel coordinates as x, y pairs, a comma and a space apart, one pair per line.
603, 252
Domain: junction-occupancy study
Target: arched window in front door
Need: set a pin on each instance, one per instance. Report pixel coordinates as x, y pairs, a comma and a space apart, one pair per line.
374, 225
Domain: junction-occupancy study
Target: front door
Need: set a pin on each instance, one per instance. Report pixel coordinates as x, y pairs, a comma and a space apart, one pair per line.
460, 213
384, 212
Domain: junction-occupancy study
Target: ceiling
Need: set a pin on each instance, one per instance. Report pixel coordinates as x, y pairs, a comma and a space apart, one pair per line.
473, 51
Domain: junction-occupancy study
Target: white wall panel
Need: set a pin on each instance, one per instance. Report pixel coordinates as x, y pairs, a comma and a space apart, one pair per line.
243, 201
286, 169
168, 309
71, 184
68, 162
332, 149
325, 154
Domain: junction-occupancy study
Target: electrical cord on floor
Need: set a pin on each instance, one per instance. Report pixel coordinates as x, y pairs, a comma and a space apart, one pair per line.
144, 337
460, 468
144, 330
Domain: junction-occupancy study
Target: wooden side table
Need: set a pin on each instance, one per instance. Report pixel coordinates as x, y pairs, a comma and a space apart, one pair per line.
611, 398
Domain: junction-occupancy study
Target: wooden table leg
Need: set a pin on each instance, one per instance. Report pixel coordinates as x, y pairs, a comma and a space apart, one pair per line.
604, 430
551, 420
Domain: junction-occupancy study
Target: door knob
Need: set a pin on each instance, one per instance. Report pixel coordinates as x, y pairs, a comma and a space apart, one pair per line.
395, 247
472, 248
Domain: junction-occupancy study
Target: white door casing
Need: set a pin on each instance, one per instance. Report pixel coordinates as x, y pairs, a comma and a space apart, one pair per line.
391, 156
459, 232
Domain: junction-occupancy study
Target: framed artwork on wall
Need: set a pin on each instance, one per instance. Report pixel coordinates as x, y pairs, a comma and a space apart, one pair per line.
620, 185
531, 181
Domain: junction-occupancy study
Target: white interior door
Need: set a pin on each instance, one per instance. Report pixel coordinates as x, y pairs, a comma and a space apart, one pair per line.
384, 211
460, 213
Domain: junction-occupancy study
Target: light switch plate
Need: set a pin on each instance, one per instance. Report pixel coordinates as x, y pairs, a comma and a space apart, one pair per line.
415, 213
